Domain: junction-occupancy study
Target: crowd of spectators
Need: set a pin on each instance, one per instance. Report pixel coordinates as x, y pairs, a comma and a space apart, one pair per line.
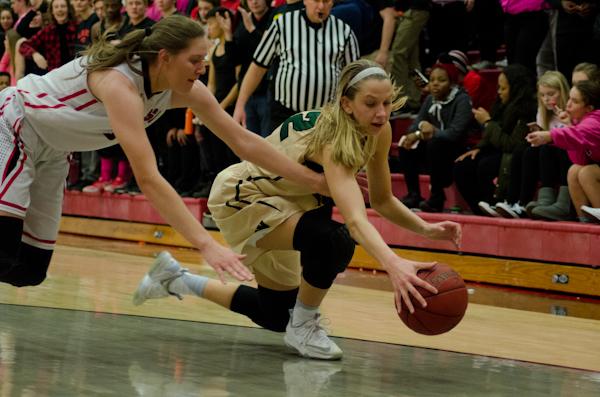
530, 151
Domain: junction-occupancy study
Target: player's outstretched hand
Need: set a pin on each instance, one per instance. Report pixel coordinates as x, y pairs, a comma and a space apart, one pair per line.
224, 260
403, 274
445, 230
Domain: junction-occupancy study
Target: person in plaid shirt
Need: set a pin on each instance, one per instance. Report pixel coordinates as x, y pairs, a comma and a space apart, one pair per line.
53, 46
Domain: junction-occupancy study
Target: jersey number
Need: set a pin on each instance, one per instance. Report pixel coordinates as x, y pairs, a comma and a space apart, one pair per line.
300, 122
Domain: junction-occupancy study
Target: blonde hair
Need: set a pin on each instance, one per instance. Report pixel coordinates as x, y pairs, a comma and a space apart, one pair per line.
557, 81
349, 146
172, 34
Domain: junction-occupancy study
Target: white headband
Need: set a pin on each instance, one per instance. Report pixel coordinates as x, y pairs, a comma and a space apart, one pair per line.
363, 74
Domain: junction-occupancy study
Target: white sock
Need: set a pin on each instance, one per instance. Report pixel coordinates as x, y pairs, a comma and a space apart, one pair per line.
302, 313
189, 284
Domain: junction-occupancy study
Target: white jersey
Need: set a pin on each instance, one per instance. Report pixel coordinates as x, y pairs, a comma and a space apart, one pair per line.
60, 108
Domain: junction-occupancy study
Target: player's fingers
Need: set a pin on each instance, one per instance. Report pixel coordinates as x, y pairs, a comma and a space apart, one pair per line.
407, 300
424, 284
413, 291
425, 265
221, 274
398, 302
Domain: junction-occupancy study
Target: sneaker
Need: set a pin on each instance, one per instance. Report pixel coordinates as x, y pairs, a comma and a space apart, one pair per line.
431, 206
117, 183
310, 339
592, 213
484, 65
156, 283
511, 211
488, 210
503, 63
96, 187
309, 378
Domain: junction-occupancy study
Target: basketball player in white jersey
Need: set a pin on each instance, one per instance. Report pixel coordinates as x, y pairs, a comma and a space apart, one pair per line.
286, 232
110, 96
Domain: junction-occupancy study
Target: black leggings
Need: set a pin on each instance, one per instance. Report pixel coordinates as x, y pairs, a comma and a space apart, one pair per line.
21, 264
475, 178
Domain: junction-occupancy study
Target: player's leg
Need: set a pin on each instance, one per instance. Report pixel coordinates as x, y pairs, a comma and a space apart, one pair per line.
326, 249
267, 305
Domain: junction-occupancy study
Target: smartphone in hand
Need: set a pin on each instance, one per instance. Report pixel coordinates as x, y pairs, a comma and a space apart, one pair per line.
533, 126
420, 79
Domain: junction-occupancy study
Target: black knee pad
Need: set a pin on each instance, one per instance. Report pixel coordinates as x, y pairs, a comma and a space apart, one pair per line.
266, 307
326, 247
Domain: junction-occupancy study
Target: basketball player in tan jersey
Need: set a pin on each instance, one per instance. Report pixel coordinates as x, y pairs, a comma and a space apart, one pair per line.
291, 244
110, 96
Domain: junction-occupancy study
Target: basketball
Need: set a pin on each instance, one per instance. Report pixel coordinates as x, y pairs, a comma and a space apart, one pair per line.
445, 309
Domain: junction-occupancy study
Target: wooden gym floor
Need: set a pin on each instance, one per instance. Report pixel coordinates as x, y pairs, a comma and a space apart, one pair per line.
79, 335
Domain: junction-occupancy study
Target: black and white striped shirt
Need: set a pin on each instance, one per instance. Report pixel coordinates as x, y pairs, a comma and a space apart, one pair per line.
311, 58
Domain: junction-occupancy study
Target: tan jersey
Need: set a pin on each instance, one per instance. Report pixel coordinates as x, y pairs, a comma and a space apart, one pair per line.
247, 202
289, 139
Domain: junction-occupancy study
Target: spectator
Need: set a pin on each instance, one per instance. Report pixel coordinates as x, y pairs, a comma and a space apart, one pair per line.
86, 18
504, 131
111, 23
585, 71
448, 25
136, 16
303, 81
6, 22
525, 28
439, 131
10, 41
223, 83
574, 33
204, 6
99, 9
166, 7
53, 46
582, 142
548, 164
405, 51
379, 35
489, 32
247, 36
4, 80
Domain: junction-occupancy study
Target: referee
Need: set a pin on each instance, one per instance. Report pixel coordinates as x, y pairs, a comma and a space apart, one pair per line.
312, 48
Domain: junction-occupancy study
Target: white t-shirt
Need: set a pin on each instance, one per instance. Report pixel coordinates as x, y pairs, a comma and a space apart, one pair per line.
60, 108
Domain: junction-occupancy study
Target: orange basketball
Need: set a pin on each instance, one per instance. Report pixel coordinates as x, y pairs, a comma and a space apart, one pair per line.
445, 309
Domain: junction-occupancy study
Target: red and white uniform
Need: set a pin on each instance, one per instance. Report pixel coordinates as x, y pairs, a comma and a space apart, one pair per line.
42, 120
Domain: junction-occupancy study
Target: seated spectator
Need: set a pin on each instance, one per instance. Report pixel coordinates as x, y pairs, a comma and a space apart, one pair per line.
54, 45
553, 163
439, 133
4, 80
6, 22
548, 164
504, 130
585, 71
581, 140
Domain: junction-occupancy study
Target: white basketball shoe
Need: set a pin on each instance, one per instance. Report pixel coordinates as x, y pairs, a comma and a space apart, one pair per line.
310, 339
156, 283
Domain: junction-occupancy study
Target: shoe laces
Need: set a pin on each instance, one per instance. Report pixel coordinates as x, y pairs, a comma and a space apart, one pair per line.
166, 283
316, 327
